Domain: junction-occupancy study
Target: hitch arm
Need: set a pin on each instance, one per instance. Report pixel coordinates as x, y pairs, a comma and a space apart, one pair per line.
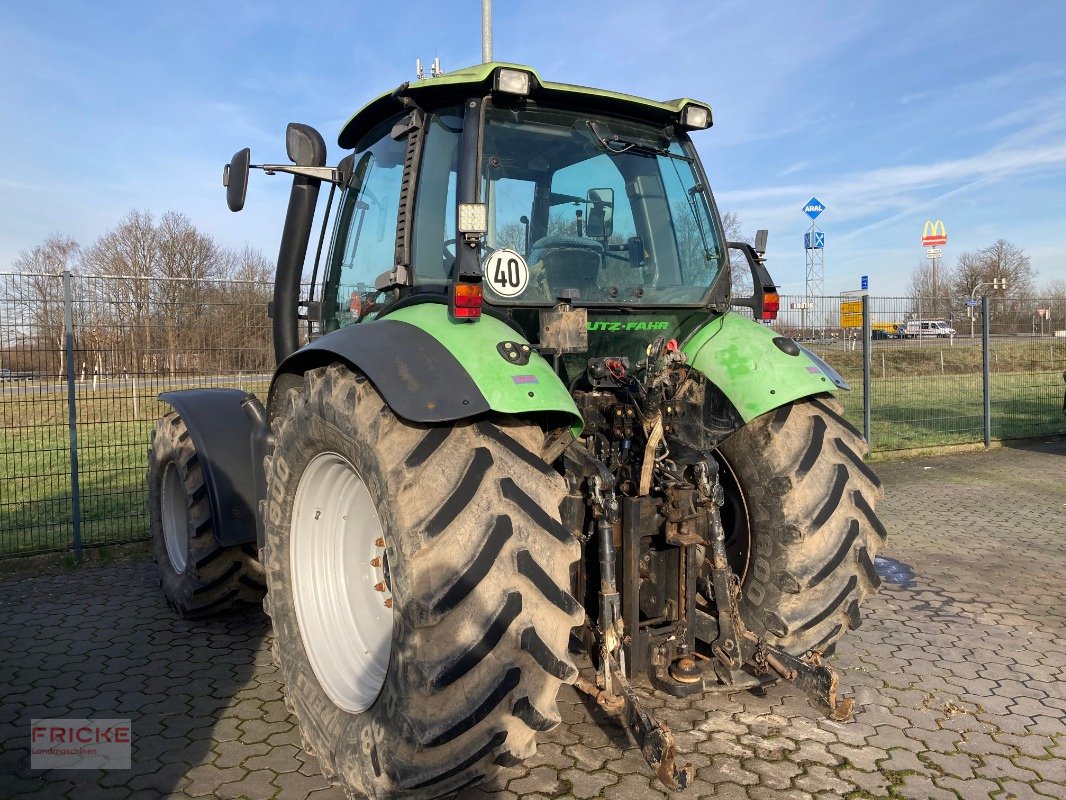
654, 738
736, 645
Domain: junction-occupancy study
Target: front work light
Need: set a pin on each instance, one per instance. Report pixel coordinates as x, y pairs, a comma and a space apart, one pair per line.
696, 117
465, 301
512, 81
473, 218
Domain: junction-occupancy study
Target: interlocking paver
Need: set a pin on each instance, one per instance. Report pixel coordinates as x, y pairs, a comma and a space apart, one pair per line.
959, 680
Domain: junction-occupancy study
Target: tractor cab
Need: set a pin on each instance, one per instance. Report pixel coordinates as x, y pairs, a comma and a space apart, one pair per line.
496, 192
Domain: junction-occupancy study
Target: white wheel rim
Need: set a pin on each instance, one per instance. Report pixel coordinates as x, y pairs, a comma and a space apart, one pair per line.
339, 582
174, 514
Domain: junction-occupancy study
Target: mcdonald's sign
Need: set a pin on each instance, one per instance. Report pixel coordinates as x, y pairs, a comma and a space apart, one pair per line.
933, 234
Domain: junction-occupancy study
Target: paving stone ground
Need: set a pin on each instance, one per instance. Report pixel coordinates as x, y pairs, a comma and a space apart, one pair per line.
959, 675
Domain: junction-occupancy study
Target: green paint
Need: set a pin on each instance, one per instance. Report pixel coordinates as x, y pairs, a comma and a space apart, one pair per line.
738, 355
478, 78
474, 346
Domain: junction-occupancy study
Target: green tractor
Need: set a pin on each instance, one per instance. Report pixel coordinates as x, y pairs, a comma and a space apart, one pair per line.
515, 427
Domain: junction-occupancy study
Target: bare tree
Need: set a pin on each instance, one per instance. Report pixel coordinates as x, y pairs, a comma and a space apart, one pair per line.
129, 253
238, 325
186, 258
1001, 259
41, 293
739, 274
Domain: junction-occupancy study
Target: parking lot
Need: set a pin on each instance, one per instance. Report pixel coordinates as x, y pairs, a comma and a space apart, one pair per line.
959, 674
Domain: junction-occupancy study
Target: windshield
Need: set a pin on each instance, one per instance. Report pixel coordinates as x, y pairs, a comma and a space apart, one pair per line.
605, 210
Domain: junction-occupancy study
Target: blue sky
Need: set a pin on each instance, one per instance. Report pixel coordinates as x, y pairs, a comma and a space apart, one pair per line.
889, 112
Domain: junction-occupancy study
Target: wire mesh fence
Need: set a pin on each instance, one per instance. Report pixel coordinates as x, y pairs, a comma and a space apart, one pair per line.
926, 363
131, 337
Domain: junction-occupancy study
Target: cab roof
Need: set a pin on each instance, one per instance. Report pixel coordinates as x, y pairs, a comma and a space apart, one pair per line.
463, 83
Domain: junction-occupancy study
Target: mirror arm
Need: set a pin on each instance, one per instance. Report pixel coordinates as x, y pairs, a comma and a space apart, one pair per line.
332, 175
760, 277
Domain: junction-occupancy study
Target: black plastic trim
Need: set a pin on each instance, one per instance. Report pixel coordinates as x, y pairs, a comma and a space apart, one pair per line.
416, 375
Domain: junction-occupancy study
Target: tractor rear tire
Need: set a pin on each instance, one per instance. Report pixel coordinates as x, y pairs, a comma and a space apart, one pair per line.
199, 577
814, 533
466, 612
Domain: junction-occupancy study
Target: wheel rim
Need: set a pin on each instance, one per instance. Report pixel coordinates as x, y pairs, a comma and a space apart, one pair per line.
174, 513
340, 582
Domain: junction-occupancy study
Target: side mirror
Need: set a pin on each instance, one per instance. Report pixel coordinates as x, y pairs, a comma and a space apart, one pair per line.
305, 145
235, 179
599, 213
760, 240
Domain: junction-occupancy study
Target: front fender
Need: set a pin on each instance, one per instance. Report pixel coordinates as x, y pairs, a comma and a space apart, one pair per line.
740, 357
223, 433
430, 368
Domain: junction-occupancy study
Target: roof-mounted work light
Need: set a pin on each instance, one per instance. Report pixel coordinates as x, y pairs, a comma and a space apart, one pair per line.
695, 117
513, 81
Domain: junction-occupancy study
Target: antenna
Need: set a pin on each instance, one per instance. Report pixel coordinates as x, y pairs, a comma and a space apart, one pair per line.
435, 69
486, 31
418, 69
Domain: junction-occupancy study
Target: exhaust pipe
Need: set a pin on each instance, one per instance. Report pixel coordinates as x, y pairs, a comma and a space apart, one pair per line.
306, 148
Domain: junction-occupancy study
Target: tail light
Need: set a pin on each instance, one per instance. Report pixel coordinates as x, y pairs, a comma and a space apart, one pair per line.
771, 304
465, 301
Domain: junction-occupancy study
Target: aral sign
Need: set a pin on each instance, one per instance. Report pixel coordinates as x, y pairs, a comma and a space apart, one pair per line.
933, 234
813, 208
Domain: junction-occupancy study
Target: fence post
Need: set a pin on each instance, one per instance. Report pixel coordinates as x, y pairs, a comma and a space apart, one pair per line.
72, 412
986, 373
866, 356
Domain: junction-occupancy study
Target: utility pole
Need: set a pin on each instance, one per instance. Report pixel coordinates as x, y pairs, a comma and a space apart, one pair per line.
486, 31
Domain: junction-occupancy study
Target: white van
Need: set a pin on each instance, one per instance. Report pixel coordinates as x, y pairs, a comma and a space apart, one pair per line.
928, 327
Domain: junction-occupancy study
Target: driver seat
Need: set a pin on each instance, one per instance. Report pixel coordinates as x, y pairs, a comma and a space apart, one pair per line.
569, 262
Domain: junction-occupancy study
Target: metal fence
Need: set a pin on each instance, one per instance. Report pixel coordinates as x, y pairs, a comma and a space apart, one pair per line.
944, 372
82, 359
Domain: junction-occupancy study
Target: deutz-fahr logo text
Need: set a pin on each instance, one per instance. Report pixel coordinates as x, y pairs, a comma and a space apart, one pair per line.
628, 326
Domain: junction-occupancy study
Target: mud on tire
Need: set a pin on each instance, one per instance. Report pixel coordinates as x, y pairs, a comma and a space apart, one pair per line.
479, 565
814, 532
200, 578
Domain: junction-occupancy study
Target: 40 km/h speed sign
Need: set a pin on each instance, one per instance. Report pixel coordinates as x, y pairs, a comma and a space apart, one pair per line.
506, 273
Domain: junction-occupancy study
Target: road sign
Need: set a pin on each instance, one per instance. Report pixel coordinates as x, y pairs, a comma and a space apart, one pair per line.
865, 282
851, 313
933, 234
972, 303
814, 240
813, 208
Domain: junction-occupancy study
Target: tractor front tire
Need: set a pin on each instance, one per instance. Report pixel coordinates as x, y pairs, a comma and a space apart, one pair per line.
199, 576
418, 586
814, 533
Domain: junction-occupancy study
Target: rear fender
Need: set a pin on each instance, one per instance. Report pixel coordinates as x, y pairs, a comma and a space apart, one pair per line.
431, 369
226, 434
755, 367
